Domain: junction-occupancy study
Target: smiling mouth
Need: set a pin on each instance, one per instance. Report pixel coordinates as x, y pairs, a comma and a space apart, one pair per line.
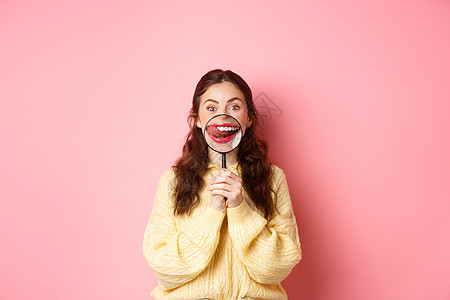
222, 133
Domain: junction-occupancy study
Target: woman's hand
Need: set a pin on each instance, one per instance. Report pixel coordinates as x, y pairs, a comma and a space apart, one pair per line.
226, 186
218, 203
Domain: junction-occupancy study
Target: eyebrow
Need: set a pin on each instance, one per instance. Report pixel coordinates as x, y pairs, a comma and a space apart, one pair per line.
232, 99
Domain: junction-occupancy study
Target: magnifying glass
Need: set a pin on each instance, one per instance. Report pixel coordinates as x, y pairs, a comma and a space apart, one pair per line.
223, 133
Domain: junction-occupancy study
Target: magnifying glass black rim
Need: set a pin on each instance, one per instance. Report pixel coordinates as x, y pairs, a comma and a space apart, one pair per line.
204, 132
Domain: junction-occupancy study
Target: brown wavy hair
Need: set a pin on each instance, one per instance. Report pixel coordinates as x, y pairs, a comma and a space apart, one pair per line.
256, 170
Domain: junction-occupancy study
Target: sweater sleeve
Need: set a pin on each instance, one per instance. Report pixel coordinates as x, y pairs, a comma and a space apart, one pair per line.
178, 255
268, 249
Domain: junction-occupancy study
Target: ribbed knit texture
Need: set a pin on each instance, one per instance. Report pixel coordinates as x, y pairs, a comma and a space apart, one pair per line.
216, 255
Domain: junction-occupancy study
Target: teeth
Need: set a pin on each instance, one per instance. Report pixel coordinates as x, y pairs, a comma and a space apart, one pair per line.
223, 128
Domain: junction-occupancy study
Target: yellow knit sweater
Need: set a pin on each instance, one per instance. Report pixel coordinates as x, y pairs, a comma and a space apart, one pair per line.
216, 255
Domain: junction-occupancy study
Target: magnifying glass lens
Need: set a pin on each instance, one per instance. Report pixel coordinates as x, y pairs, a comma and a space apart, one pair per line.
223, 133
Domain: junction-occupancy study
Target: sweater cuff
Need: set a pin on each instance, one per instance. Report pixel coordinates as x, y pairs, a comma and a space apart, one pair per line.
211, 217
239, 213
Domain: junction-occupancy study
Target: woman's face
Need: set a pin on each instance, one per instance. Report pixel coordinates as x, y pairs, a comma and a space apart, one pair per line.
223, 98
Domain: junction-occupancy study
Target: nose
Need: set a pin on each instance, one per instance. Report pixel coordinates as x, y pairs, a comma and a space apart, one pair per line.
224, 118
220, 118
222, 110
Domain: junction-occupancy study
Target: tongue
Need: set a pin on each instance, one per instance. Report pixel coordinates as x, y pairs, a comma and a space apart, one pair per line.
212, 130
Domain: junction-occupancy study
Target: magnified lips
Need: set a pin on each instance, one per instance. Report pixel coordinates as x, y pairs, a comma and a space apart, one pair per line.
222, 130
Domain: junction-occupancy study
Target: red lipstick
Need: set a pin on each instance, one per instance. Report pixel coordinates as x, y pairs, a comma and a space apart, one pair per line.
222, 133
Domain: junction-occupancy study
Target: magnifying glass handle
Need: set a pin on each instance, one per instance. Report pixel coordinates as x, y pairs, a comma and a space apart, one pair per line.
224, 161
224, 165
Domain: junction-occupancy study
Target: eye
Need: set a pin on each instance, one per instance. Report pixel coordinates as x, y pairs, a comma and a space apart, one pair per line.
234, 107
210, 108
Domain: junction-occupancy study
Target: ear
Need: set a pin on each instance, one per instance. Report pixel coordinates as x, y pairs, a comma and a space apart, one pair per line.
199, 125
249, 122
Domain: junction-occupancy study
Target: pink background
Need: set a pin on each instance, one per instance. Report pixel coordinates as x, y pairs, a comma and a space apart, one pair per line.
94, 99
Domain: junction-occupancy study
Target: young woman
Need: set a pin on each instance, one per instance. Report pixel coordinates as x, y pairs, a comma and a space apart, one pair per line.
222, 233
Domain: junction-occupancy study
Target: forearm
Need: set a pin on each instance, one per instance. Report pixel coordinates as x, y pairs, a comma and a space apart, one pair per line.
269, 250
178, 255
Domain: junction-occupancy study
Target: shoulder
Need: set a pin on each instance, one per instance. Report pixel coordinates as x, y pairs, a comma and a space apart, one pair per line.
280, 189
277, 170
278, 175
169, 174
167, 179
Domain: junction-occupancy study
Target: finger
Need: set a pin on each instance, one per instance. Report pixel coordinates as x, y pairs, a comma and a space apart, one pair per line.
217, 175
229, 172
228, 177
218, 198
232, 176
219, 186
222, 193
221, 180
226, 192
